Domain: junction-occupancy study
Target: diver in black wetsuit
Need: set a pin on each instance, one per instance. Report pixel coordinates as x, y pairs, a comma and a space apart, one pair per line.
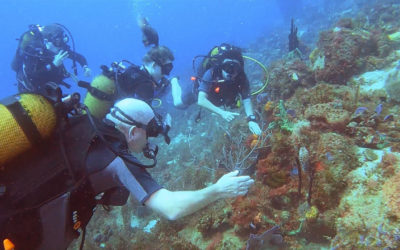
40, 55
143, 82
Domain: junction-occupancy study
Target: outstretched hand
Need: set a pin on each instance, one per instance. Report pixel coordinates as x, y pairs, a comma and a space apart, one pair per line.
254, 128
231, 185
60, 57
87, 71
228, 116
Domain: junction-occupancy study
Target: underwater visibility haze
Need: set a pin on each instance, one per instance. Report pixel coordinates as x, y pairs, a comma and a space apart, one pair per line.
324, 85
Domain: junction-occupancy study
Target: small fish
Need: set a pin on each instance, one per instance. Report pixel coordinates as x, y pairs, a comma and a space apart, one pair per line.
291, 112
329, 156
388, 118
294, 171
360, 110
380, 229
270, 239
398, 64
361, 239
378, 109
261, 98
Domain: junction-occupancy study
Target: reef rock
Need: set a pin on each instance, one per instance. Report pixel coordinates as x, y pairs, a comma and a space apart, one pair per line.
328, 115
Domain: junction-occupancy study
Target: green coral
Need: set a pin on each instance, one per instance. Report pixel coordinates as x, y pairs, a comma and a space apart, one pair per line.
283, 122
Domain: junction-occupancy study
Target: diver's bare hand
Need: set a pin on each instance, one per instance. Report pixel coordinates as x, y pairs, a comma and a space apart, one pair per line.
228, 116
87, 71
60, 57
231, 185
254, 128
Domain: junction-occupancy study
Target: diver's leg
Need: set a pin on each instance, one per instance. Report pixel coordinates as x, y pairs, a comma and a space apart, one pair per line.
182, 97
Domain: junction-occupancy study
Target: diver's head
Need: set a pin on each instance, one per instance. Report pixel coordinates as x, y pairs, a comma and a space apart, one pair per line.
137, 121
230, 68
54, 38
158, 62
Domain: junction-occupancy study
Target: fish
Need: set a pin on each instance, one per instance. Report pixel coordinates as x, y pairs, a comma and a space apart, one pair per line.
360, 110
378, 109
291, 112
270, 239
388, 118
329, 156
294, 171
261, 98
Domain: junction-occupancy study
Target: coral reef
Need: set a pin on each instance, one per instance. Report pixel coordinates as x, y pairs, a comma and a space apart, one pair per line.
392, 85
326, 167
286, 76
327, 115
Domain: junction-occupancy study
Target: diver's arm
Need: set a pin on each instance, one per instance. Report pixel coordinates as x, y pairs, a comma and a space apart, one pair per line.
78, 57
248, 108
176, 204
253, 125
82, 61
203, 101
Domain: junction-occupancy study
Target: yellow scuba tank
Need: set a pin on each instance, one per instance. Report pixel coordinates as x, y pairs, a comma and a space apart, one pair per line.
26, 119
99, 98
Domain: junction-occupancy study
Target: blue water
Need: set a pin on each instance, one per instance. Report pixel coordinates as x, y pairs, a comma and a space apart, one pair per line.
106, 31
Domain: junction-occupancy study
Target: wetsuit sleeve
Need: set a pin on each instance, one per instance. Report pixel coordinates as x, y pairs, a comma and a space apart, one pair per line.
145, 186
78, 57
245, 87
205, 83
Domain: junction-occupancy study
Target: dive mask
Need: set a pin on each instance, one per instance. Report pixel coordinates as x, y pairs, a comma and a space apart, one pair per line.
60, 41
231, 67
155, 127
166, 68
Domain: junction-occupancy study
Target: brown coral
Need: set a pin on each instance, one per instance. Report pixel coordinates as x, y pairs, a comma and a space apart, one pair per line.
391, 192
329, 115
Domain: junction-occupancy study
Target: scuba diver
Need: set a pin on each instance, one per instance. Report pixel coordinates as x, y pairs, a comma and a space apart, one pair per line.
145, 82
125, 79
221, 81
50, 192
40, 55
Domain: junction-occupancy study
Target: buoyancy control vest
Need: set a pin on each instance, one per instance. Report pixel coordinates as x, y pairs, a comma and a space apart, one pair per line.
117, 82
215, 57
48, 199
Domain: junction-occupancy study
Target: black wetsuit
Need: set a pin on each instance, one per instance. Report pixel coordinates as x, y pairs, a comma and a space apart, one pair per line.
136, 82
49, 199
34, 66
225, 92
